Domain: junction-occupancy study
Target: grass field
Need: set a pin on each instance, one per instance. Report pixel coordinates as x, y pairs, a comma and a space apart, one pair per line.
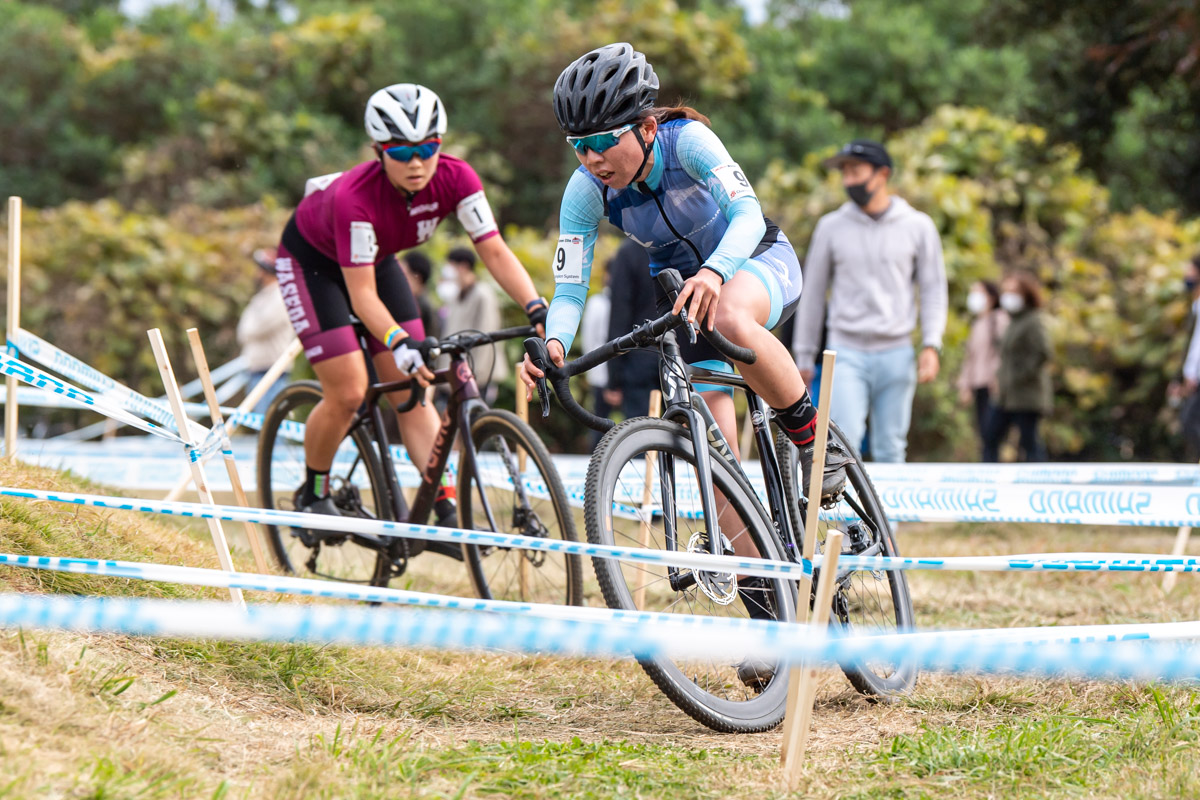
114, 717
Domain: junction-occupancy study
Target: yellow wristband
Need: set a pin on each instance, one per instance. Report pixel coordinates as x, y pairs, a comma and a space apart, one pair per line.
390, 336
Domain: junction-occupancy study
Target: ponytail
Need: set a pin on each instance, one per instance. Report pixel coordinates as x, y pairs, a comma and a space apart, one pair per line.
669, 113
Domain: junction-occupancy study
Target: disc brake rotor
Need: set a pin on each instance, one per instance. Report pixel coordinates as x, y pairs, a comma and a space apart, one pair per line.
720, 587
526, 521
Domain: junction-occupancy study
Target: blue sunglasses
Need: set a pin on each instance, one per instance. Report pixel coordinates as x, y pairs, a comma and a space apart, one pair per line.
599, 142
406, 152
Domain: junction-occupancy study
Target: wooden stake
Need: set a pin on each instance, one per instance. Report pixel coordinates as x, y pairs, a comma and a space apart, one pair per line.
181, 420
281, 365
1181, 541
793, 755
14, 320
525, 569
523, 413
235, 480
791, 724
639, 591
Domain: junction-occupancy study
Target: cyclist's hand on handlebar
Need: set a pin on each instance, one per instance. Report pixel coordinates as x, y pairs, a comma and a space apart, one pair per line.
412, 358
529, 374
700, 294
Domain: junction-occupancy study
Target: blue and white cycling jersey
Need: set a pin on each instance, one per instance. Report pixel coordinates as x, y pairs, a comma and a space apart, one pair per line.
703, 194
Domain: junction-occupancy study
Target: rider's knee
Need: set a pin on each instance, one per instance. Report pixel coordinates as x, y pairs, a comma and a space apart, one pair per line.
735, 320
346, 397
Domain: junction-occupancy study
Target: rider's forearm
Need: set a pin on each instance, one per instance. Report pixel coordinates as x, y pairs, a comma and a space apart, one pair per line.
506, 269
566, 309
745, 231
374, 314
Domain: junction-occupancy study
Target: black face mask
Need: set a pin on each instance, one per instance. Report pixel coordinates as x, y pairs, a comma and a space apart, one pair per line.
860, 194
1190, 284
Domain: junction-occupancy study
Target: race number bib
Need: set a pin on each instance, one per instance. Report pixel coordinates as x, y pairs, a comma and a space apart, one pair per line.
733, 181
363, 247
476, 216
320, 183
568, 260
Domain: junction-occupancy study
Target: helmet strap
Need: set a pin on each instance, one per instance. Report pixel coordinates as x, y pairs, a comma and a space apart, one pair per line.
647, 149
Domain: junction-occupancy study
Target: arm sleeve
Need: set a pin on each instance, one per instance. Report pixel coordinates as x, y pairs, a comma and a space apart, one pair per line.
705, 159
578, 223
810, 314
931, 279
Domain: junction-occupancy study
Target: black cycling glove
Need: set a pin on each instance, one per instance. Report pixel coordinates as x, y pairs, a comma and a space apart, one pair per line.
536, 311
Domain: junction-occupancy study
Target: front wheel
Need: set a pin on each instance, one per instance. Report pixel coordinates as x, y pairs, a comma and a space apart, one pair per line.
625, 507
514, 488
865, 603
356, 481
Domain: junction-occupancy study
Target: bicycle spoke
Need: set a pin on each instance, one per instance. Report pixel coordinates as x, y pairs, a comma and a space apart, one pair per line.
626, 508
497, 494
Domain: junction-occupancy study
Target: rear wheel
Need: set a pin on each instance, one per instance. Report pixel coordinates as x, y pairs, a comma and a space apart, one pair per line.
865, 603
624, 507
357, 486
515, 489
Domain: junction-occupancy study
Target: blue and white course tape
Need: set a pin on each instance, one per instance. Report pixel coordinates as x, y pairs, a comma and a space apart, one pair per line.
382, 528
1091, 657
334, 590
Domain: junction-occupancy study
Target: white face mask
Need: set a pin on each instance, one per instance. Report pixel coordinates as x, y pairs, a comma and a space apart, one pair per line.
447, 290
1012, 302
977, 302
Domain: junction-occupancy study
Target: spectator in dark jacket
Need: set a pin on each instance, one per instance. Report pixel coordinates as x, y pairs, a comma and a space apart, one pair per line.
632, 376
1023, 379
417, 268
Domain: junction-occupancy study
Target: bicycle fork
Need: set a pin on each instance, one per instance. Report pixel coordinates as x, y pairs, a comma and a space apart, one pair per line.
703, 430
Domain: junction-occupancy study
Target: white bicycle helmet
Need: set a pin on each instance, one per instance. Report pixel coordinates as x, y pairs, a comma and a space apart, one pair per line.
405, 112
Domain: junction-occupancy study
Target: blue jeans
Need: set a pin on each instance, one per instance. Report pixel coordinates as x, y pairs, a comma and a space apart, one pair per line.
880, 385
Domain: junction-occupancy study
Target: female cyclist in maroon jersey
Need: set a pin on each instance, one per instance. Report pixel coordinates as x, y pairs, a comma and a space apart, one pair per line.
337, 256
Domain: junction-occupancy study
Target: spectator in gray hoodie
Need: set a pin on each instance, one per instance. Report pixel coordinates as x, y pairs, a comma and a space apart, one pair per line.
873, 257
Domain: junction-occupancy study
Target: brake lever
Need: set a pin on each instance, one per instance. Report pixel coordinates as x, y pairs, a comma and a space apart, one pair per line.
691, 329
672, 283
535, 348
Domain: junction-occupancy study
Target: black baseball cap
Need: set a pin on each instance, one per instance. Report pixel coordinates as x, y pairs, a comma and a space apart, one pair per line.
419, 264
867, 150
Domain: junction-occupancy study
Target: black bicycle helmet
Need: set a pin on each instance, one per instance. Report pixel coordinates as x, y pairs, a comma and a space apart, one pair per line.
605, 89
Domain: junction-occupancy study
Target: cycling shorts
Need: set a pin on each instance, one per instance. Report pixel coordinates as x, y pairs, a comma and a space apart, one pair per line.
776, 267
318, 301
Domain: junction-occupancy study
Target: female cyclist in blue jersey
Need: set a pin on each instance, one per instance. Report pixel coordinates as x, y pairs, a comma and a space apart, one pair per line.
664, 178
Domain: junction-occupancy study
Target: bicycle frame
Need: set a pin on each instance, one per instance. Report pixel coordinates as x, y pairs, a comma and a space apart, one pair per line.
687, 406
464, 404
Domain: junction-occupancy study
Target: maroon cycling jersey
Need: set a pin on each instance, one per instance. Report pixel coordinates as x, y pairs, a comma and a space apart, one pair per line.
357, 218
